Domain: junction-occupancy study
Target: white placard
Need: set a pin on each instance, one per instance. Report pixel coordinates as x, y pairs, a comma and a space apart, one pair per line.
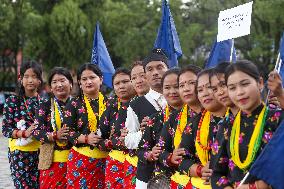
234, 22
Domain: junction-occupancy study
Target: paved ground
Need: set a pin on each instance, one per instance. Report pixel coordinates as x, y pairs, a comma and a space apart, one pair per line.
5, 178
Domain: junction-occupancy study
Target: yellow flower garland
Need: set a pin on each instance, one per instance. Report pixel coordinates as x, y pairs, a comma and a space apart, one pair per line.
92, 118
235, 135
182, 121
58, 123
202, 153
166, 113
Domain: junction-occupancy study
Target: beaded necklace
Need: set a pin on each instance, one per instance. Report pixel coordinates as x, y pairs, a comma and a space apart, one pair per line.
202, 134
182, 121
254, 143
92, 118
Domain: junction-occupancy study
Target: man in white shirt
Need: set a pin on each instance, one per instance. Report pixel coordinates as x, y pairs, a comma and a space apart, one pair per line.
155, 65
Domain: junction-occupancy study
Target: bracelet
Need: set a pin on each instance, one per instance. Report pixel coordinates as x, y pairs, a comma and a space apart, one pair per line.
169, 163
199, 170
109, 144
24, 134
252, 186
86, 139
54, 135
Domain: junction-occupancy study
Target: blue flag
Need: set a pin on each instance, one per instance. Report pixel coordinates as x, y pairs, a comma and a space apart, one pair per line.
281, 64
221, 52
100, 56
167, 38
269, 165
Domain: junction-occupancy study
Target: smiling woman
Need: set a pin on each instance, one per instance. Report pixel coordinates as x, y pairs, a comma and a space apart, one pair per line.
82, 114
50, 132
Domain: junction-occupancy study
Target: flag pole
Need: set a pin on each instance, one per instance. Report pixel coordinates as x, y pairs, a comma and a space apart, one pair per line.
244, 179
232, 51
276, 68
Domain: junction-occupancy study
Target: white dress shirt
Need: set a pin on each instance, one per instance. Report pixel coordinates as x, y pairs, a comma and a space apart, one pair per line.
132, 122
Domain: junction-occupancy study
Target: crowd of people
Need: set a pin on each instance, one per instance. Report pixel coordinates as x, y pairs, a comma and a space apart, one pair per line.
164, 128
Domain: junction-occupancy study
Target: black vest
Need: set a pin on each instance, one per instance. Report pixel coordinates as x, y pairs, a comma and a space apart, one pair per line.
142, 107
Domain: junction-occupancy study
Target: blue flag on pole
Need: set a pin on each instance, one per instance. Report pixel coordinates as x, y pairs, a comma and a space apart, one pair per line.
100, 56
221, 52
167, 38
281, 64
269, 165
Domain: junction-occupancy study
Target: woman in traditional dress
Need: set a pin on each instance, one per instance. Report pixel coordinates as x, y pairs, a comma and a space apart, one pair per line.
86, 163
172, 131
197, 141
148, 151
246, 135
50, 129
111, 123
18, 124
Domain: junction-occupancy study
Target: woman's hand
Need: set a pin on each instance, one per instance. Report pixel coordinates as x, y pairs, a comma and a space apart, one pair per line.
93, 139
206, 173
177, 156
62, 133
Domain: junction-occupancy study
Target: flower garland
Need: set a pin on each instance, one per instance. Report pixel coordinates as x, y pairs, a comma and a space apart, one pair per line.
182, 121
92, 118
254, 143
202, 134
166, 113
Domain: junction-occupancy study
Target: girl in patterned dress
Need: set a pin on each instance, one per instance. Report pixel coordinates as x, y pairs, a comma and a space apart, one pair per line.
86, 163
49, 129
241, 140
18, 124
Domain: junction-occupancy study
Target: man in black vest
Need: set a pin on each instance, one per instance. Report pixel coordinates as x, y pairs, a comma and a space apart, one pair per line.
155, 66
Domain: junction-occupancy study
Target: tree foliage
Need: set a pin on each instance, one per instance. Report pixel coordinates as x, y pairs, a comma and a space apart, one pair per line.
61, 32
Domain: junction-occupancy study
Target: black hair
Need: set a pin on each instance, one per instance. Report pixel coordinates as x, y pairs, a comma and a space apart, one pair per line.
189, 68
219, 69
37, 69
60, 71
87, 66
207, 71
244, 66
121, 71
175, 71
136, 63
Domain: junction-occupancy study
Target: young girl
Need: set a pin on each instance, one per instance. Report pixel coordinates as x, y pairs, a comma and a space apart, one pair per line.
18, 124
148, 151
198, 137
247, 134
172, 131
85, 165
49, 129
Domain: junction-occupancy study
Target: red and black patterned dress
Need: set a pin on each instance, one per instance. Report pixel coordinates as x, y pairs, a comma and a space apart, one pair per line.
86, 164
55, 176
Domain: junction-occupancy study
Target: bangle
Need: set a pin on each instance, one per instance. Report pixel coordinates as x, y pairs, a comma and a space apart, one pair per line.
169, 163
54, 135
252, 186
199, 170
86, 139
16, 134
109, 144
24, 134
